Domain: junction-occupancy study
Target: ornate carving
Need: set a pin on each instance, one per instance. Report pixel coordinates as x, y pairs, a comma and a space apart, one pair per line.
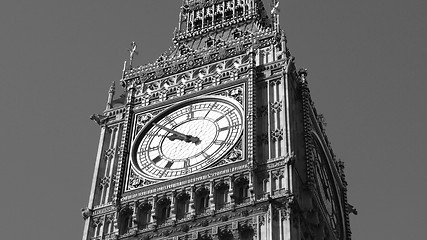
261, 220
275, 82
235, 154
244, 213
105, 181
277, 134
109, 153
276, 106
98, 221
136, 181
204, 223
277, 174
235, 93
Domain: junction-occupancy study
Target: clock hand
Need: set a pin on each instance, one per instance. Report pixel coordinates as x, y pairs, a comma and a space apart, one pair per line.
179, 136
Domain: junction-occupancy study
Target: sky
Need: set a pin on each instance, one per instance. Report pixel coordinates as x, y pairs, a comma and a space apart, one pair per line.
367, 75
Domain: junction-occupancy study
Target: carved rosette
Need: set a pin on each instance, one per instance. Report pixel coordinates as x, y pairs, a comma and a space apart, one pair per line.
235, 93
135, 181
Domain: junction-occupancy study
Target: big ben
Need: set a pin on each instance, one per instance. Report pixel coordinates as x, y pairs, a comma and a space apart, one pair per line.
217, 139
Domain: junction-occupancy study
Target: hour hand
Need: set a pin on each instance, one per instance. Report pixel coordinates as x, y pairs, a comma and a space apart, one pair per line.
185, 138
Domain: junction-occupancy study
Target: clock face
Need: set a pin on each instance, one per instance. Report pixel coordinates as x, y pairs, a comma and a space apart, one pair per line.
187, 137
325, 185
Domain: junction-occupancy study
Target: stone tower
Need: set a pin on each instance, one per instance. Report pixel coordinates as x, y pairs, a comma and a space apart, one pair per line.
217, 139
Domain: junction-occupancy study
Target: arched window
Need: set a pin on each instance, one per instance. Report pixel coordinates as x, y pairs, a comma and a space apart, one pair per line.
241, 190
246, 232
239, 11
182, 203
225, 235
218, 18
208, 21
163, 210
109, 227
221, 195
228, 14
125, 223
98, 228
144, 215
197, 24
202, 200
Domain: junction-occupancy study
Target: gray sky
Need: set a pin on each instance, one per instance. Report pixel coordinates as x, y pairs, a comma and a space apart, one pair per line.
367, 75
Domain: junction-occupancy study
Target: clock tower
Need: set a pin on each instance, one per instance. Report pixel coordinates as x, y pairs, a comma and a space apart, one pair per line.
216, 139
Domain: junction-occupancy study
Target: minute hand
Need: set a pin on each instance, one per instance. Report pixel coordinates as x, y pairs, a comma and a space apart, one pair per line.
170, 130
184, 137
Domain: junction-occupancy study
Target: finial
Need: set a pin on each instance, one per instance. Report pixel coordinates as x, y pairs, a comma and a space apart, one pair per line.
275, 10
112, 87
132, 53
110, 96
275, 14
124, 70
303, 74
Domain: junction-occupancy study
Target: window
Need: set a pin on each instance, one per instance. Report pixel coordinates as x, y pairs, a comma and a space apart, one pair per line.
239, 11
202, 200
163, 210
144, 215
125, 220
221, 195
182, 202
241, 190
228, 14
208, 21
218, 18
197, 24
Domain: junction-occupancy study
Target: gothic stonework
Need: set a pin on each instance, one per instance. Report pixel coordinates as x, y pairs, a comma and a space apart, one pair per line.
218, 138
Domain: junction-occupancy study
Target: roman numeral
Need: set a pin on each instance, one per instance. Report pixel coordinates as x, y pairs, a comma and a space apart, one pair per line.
222, 142
153, 148
169, 165
228, 127
225, 128
157, 159
225, 114
190, 112
210, 109
170, 121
